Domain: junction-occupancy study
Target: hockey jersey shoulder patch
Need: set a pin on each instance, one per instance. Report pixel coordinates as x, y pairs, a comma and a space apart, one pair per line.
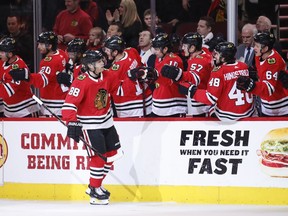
115, 67
81, 77
172, 55
271, 61
48, 58
15, 66
199, 56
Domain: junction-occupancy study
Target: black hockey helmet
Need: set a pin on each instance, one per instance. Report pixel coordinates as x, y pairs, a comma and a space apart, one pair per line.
47, 38
76, 45
115, 43
265, 38
91, 56
161, 40
8, 44
226, 50
193, 38
175, 39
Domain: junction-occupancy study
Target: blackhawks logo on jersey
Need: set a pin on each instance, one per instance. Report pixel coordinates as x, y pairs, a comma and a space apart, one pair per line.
271, 61
115, 67
74, 23
101, 99
48, 58
15, 66
81, 77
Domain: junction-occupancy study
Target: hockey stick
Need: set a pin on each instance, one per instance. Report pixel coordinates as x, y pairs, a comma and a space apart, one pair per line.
63, 123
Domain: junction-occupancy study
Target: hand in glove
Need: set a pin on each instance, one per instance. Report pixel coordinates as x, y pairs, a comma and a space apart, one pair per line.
283, 77
64, 78
136, 73
172, 72
69, 68
253, 74
187, 88
143, 74
20, 74
245, 83
74, 130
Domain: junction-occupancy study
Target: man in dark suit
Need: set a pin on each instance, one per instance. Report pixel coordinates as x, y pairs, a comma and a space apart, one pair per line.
245, 51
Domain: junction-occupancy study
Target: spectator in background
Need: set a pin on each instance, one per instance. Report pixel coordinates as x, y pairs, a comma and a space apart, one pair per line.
205, 29
245, 51
71, 23
196, 8
170, 11
130, 21
24, 41
145, 45
148, 22
115, 28
96, 37
264, 24
91, 8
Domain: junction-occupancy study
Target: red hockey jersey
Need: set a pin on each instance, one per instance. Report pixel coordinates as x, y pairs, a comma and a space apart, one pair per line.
130, 106
17, 95
198, 73
230, 103
89, 99
51, 92
274, 100
167, 100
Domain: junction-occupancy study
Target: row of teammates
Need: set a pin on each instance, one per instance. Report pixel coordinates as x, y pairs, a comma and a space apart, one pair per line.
88, 87
214, 84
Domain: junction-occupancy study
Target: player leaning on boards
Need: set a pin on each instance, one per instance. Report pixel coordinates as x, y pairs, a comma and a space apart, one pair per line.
230, 104
87, 111
268, 61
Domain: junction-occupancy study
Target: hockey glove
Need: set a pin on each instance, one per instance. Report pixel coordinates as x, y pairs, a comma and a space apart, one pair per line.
172, 72
74, 130
64, 78
187, 88
253, 74
136, 73
150, 76
19, 74
245, 83
69, 68
283, 77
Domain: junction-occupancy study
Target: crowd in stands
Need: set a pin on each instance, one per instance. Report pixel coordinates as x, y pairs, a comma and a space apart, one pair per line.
175, 72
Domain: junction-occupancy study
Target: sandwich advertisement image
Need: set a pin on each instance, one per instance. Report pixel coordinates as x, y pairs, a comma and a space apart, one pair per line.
273, 153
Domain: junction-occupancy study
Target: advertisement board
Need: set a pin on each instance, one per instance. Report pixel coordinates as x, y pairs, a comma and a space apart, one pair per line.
193, 153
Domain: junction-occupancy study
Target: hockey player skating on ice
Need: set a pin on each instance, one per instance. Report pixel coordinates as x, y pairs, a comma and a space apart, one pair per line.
87, 111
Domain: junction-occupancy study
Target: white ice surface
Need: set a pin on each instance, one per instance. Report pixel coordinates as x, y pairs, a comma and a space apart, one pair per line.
59, 208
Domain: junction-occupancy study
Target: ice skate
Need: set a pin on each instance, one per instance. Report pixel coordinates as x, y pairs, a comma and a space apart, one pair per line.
105, 191
97, 196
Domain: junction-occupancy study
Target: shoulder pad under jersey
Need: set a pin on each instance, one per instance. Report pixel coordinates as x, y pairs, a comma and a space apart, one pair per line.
81, 77
48, 58
216, 68
271, 60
